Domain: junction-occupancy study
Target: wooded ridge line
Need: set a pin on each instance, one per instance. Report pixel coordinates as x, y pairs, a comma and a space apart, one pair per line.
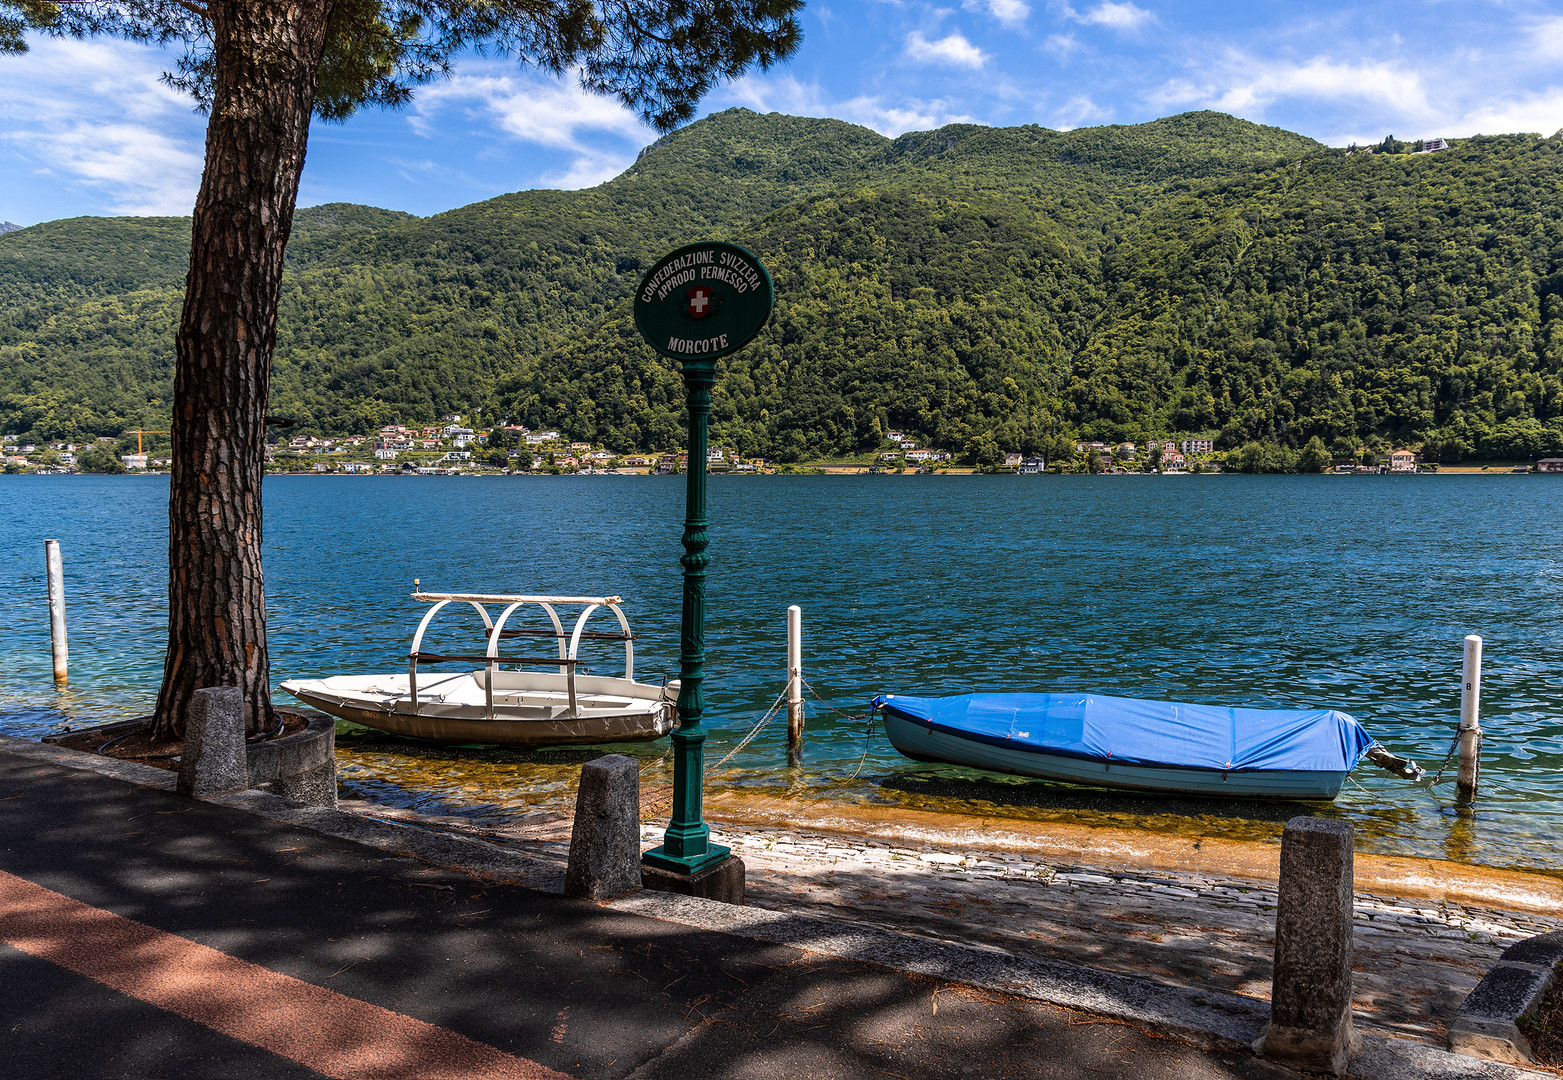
985, 289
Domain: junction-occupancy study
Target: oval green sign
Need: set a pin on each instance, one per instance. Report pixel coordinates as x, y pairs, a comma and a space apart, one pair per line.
703, 301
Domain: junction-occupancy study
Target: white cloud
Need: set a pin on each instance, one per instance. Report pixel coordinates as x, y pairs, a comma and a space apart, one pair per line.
1079, 111
1062, 44
1540, 112
1488, 93
953, 50
1248, 85
892, 117
601, 134
92, 117
1115, 16
1011, 13
1548, 40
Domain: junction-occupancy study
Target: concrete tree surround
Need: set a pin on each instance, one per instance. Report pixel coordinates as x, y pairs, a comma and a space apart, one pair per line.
301, 766
218, 760
1310, 1000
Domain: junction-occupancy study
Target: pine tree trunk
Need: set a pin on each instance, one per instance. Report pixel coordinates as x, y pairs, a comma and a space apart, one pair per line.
267, 58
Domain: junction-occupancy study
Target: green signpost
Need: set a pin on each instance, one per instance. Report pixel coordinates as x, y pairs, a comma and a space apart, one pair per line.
695, 305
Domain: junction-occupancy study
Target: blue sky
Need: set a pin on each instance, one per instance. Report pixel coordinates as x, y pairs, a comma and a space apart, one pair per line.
85, 127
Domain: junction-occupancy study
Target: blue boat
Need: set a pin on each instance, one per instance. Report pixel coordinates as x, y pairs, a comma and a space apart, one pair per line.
1122, 742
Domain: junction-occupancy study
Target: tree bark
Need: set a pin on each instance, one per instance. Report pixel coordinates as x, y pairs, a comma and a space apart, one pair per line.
267, 58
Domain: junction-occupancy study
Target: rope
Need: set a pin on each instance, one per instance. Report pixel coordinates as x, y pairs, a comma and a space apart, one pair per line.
868, 735
828, 705
776, 707
754, 731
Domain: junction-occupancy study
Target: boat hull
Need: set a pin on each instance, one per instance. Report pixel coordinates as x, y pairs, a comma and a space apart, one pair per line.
917, 740
529, 708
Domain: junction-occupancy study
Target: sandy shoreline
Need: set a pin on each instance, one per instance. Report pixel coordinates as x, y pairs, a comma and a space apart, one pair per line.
1416, 878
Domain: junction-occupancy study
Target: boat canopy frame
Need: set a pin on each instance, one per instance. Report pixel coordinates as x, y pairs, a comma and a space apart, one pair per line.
569, 643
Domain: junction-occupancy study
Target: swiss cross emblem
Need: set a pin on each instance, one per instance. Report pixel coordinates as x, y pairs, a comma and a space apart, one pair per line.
699, 302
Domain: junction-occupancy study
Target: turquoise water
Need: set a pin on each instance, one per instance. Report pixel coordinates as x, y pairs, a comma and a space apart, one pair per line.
1352, 592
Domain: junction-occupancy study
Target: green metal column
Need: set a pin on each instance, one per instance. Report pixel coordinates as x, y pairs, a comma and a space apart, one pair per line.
686, 846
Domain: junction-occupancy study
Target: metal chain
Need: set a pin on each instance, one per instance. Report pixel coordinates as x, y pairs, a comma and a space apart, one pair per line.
754, 731
1453, 746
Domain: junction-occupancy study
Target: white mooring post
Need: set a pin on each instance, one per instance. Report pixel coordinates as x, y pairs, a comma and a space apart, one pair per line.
56, 575
794, 685
1470, 722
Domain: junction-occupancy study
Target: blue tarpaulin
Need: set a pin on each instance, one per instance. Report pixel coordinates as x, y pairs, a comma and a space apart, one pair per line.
1147, 732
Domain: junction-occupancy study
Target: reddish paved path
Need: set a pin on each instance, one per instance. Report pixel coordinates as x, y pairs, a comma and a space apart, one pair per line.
150, 936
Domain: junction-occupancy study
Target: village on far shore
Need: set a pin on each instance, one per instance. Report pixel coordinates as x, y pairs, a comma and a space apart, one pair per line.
453, 448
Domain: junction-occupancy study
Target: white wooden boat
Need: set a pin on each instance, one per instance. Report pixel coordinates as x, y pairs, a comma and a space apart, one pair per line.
494, 704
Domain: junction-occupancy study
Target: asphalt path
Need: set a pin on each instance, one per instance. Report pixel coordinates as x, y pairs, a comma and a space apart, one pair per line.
147, 935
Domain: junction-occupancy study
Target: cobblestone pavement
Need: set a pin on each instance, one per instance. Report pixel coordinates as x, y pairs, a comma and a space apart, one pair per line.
1413, 966
1414, 962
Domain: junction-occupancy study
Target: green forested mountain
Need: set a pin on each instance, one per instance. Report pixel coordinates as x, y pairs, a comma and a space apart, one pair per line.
985, 288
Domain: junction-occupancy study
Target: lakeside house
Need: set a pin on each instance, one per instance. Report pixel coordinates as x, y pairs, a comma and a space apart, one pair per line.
1197, 446
1550, 465
1031, 466
1012, 460
1402, 461
134, 461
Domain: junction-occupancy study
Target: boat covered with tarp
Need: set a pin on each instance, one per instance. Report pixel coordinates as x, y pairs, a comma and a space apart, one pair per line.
500, 701
1121, 742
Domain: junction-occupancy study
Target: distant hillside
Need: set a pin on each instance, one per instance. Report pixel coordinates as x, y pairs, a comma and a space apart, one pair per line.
8, 226
988, 288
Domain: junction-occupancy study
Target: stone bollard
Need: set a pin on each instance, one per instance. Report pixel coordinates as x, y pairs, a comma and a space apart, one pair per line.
1310, 997
213, 762
605, 842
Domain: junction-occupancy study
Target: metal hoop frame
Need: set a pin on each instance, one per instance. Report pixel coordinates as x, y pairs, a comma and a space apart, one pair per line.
569, 644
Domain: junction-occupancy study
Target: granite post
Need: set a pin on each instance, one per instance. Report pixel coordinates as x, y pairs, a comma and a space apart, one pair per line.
213, 761
605, 842
1310, 997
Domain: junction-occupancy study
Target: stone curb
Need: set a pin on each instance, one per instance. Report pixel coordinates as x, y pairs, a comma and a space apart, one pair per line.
1208, 1019
1487, 1025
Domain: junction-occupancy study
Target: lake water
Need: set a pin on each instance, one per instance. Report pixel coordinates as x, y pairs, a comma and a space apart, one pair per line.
1351, 592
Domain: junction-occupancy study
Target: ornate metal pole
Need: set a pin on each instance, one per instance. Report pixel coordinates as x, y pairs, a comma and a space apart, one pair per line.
686, 846
696, 304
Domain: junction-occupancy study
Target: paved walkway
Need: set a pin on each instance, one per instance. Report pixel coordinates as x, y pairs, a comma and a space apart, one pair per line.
1415, 960
146, 935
